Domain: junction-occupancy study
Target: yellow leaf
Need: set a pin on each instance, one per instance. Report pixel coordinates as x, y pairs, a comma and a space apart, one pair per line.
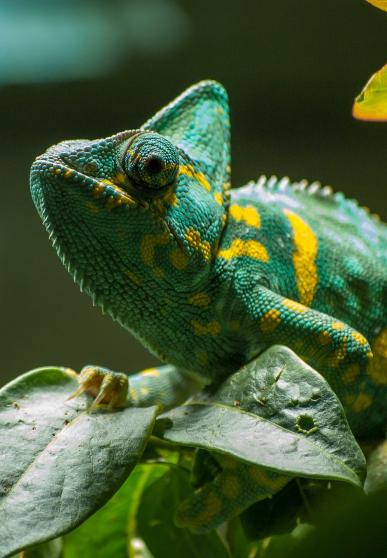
371, 104
382, 4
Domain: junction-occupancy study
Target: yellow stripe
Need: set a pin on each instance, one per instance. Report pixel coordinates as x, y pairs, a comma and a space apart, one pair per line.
188, 170
249, 248
247, 214
194, 239
211, 328
304, 257
199, 299
148, 245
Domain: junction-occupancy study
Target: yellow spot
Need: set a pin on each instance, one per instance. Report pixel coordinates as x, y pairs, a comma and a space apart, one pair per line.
120, 177
97, 190
92, 207
188, 170
377, 367
171, 199
153, 372
160, 273
144, 391
121, 197
298, 346
148, 245
230, 486
68, 173
212, 506
248, 248
338, 325
337, 356
218, 198
57, 171
178, 258
324, 337
199, 299
359, 338
226, 185
211, 328
264, 480
158, 205
133, 394
202, 357
193, 238
294, 306
351, 373
113, 201
358, 403
304, 257
270, 320
133, 277
247, 214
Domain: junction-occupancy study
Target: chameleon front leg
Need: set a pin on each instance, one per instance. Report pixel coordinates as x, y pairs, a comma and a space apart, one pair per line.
319, 339
327, 344
165, 386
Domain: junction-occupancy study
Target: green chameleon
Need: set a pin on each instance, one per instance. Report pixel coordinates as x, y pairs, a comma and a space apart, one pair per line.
207, 277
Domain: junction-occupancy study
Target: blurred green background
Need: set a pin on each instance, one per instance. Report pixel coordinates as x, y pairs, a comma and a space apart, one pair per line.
89, 68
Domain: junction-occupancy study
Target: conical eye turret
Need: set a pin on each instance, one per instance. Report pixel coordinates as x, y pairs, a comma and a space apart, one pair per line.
151, 160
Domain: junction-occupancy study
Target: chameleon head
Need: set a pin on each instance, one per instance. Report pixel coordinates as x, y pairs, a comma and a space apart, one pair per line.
140, 213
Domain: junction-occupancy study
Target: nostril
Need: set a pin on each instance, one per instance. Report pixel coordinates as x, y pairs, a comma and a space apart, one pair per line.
90, 167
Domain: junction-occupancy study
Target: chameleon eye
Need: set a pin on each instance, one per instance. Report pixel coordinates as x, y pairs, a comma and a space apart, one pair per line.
151, 160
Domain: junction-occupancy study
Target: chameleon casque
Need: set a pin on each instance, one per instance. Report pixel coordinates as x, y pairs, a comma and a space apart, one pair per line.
208, 277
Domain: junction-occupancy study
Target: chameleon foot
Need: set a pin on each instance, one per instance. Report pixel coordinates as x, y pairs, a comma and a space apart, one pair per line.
107, 387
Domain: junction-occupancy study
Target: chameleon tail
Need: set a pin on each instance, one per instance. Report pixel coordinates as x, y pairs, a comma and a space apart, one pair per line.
234, 489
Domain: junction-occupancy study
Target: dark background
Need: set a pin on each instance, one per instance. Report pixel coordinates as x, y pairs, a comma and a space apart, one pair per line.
91, 68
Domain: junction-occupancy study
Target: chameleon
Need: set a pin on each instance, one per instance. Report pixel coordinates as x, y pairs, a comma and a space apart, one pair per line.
208, 277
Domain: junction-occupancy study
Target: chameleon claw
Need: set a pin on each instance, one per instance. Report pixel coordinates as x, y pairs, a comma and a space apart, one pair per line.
107, 387
77, 392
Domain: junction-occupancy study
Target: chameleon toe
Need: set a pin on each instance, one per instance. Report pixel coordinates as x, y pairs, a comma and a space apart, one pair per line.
107, 387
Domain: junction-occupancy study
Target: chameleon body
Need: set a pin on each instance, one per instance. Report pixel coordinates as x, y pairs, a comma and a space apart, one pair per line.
208, 277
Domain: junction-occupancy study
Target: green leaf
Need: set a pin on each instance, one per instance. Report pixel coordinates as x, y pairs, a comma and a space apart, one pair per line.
109, 532
240, 546
276, 412
59, 463
377, 469
49, 549
371, 103
155, 521
282, 546
382, 4
356, 527
300, 501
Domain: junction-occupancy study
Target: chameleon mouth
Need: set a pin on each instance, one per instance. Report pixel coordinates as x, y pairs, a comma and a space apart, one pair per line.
104, 190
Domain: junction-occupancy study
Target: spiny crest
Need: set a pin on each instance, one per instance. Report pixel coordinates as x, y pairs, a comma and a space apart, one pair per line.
285, 186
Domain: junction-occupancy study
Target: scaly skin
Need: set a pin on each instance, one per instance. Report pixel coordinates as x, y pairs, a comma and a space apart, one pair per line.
207, 278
